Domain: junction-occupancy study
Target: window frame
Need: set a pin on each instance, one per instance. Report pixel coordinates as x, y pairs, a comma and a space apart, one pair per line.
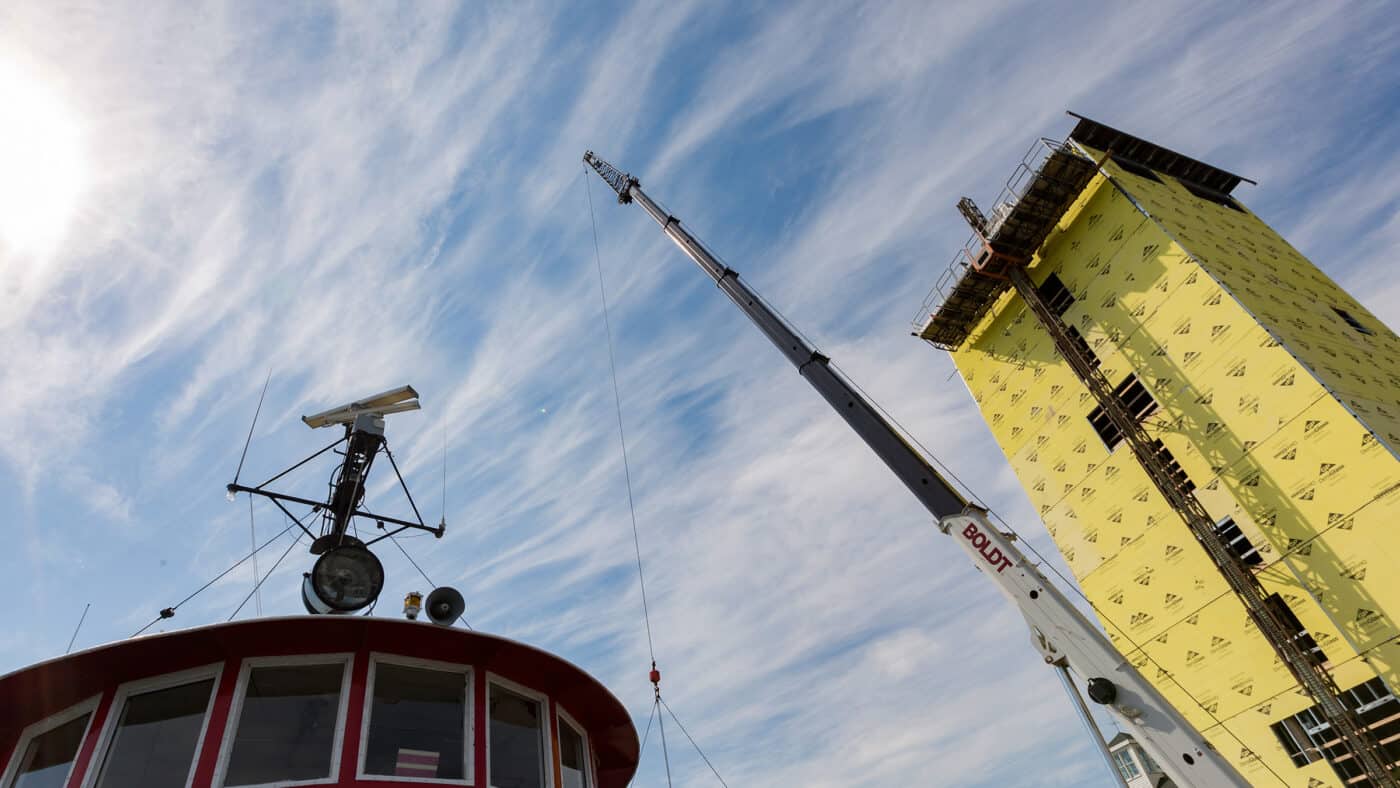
1250, 557
1054, 301
550, 756
235, 714
1100, 415
469, 750
214, 670
562, 717
1123, 757
87, 706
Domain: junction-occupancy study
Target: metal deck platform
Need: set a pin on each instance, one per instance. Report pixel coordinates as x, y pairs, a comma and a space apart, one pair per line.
1049, 178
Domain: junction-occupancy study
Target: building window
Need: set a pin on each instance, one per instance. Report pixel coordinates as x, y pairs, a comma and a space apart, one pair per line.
1353, 322
1126, 765
1299, 633
1178, 476
517, 745
156, 737
1134, 398
48, 752
573, 755
417, 722
1210, 195
1147, 761
1083, 345
286, 726
1055, 295
1140, 170
1296, 741
1237, 543
1307, 738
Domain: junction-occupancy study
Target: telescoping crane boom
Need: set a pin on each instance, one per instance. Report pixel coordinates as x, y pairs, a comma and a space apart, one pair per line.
1065, 637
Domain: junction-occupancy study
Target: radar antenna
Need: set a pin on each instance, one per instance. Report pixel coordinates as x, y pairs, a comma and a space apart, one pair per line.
348, 577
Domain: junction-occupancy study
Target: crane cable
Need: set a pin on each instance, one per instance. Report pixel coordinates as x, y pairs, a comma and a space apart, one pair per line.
655, 675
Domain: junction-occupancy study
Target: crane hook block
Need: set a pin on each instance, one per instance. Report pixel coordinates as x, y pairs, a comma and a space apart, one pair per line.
655, 676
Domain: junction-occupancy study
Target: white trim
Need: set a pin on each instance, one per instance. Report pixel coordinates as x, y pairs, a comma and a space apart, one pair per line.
346, 660
547, 750
590, 774
88, 707
469, 747
140, 687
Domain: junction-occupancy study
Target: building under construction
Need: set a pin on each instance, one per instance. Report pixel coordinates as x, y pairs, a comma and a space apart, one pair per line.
1209, 427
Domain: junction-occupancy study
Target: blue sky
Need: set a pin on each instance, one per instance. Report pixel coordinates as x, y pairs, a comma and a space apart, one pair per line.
363, 195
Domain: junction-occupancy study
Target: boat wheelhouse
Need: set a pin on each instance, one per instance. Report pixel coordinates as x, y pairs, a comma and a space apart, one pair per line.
312, 701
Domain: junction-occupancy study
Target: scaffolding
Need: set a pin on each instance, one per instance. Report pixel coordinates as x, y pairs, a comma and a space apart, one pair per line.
1049, 177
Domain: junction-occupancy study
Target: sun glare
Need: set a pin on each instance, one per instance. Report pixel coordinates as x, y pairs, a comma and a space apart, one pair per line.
41, 163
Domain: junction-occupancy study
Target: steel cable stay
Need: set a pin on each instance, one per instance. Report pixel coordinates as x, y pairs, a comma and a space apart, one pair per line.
264, 578
169, 612
462, 618
655, 674
646, 735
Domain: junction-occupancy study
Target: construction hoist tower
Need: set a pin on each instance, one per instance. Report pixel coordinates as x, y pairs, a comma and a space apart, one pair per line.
1209, 427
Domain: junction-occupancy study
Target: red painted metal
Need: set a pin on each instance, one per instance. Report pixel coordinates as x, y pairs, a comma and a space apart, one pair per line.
38, 691
480, 723
84, 759
218, 718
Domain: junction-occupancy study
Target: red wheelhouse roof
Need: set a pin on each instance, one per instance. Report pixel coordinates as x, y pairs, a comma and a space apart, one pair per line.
38, 691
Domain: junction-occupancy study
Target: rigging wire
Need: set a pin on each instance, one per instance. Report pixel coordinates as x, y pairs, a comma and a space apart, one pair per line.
253, 541
661, 726
169, 612
252, 593
81, 619
632, 511
703, 757
252, 427
650, 719
462, 618
617, 403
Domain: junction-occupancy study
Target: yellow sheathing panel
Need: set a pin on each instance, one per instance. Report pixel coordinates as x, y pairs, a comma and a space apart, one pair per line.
1262, 437
1293, 298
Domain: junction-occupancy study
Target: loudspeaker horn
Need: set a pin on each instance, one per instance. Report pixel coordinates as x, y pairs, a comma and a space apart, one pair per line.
444, 606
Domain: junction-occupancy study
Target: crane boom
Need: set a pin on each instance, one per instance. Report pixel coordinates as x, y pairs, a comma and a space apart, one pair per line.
1064, 635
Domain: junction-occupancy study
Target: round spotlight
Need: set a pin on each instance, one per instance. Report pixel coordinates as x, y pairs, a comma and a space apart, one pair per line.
344, 579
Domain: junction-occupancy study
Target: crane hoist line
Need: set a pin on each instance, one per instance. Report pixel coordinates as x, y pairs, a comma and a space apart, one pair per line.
1065, 637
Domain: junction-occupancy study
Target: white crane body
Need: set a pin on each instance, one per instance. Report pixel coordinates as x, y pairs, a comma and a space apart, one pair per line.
1065, 637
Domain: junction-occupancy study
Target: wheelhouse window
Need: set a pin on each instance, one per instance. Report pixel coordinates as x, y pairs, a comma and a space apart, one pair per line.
573, 756
286, 728
417, 722
156, 735
517, 746
48, 756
